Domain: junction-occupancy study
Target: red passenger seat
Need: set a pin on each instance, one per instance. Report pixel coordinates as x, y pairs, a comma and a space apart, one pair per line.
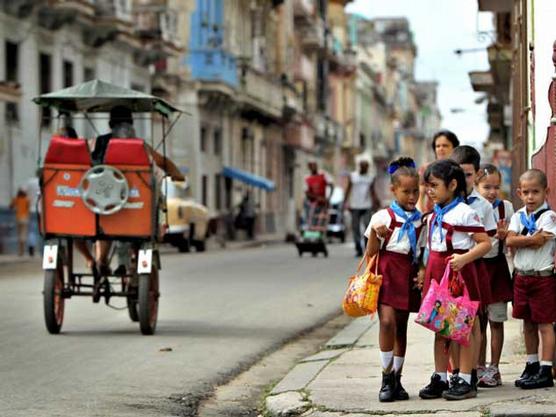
68, 151
126, 152
137, 218
64, 212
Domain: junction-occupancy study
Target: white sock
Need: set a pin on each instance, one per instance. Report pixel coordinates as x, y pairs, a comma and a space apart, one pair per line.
386, 360
465, 377
533, 358
398, 363
443, 376
543, 363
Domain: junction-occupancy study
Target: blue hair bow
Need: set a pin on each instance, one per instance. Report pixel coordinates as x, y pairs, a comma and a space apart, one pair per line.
394, 166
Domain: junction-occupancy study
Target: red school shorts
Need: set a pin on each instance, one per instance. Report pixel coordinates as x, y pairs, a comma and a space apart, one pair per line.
535, 299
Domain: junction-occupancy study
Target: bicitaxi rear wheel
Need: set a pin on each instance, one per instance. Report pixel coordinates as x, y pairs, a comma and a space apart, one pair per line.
148, 296
53, 298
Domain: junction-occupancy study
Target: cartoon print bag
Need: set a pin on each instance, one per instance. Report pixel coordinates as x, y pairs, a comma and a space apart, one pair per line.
361, 297
446, 314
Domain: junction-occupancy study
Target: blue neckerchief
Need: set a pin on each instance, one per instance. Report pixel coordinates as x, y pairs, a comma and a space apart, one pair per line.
440, 212
496, 203
407, 227
528, 222
471, 200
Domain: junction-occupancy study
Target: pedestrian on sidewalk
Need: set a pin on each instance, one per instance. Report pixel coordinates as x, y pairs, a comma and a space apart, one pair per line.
532, 234
394, 234
443, 144
247, 215
22, 207
456, 237
359, 202
469, 159
501, 286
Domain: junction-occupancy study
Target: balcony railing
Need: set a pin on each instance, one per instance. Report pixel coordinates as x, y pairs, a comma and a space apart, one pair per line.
160, 23
10, 92
303, 8
312, 36
300, 135
303, 69
213, 65
262, 93
119, 9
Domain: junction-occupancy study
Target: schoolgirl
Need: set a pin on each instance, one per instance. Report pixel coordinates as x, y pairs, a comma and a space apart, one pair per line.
501, 286
456, 237
394, 234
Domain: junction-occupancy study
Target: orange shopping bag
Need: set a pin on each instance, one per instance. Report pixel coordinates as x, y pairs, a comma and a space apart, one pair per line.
361, 297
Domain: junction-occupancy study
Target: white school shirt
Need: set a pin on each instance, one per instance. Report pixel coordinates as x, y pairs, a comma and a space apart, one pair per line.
360, 196
382, 217
542, 259
460, 215
509, 212
484, 210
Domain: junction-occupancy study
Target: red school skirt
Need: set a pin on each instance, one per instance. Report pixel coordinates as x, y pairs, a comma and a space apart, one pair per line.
484, 280
398, 288
436, 266
501, 283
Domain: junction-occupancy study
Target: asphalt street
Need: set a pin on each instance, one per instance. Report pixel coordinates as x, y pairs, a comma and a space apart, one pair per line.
219, 312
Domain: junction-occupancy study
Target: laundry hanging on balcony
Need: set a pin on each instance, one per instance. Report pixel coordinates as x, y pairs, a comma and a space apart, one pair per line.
249, 178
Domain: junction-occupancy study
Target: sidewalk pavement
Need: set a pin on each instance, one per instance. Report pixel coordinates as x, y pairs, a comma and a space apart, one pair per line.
344, 379
212, 245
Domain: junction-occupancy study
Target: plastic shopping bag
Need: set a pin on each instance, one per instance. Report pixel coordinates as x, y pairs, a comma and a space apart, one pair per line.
361, 297
443, 313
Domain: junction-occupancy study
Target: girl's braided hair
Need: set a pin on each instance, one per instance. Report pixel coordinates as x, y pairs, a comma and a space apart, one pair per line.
402, 166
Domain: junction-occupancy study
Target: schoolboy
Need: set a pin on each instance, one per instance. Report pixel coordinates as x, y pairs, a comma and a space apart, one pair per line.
532, 235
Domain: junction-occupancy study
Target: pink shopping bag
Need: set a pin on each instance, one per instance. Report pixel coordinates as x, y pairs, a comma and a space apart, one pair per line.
449, 316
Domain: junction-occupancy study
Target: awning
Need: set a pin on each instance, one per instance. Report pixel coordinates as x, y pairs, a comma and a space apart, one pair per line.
249, 178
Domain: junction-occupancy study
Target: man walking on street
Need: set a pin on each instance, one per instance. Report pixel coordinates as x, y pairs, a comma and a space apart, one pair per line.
22, 206
358, 200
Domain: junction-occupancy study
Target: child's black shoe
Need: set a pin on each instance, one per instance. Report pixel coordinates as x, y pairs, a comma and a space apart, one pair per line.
530, 370
388, 390
459, 390
401, 393
435, 388
543, 379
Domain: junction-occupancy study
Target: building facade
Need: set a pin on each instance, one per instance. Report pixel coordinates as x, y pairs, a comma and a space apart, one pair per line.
46, 47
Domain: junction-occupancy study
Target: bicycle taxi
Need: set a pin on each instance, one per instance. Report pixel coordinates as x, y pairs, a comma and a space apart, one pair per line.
117, 199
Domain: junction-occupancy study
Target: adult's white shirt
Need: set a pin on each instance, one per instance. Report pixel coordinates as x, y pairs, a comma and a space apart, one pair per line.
360, 196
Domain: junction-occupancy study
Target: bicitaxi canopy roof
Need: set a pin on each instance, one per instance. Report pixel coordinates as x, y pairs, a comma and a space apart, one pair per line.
98, 96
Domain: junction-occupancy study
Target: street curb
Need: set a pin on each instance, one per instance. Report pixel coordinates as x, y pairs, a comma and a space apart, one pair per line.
289, 397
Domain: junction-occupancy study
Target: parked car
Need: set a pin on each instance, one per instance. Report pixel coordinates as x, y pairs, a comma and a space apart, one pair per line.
187, 220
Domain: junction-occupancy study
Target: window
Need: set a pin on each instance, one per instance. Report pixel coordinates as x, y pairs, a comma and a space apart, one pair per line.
217, 141
45, 85
12, 70
12, 113
204, 190
12, 62
88, 74
68, 73
203, 139
218, 191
